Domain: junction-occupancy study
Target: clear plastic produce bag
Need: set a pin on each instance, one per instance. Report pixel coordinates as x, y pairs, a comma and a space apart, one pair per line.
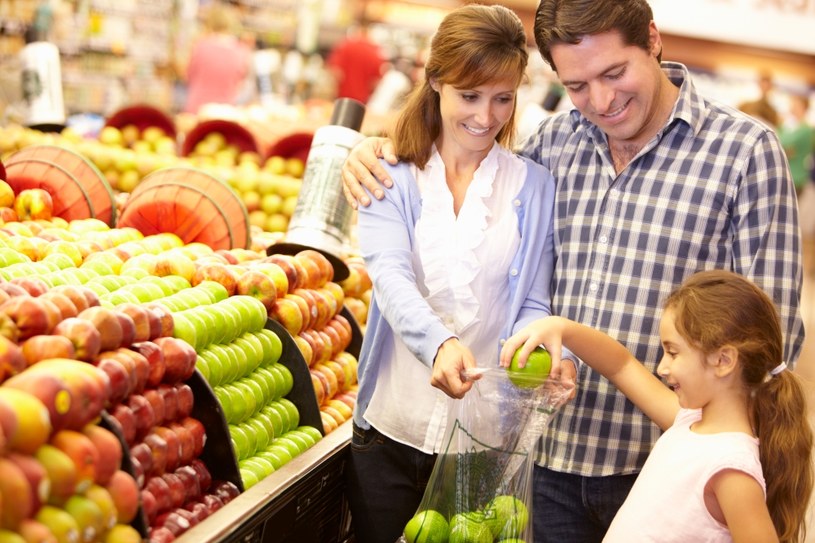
480, 490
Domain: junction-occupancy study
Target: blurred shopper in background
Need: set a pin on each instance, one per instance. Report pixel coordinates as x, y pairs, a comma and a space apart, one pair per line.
357, 64
219, 62
798, 138
442, 302
761, 108
654, 183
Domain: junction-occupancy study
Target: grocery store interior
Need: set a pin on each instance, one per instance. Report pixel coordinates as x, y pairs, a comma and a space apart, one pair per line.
175, 194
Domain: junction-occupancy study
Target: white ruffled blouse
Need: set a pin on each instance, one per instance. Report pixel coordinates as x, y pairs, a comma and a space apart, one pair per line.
462, 266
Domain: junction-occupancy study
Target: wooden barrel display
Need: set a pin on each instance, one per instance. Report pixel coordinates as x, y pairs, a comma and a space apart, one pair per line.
191, 203
77, 187
233, 133
142, 116
2, 171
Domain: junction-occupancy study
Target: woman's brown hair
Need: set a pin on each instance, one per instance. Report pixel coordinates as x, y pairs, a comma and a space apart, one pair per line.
473, 45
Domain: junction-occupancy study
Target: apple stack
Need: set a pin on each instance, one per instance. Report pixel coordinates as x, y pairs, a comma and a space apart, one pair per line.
61, 474
310, 312
357, 288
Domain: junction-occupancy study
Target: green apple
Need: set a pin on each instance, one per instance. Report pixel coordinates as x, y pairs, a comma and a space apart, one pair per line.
288, 378
277, 458
60, 522
257, 390
272, 346
249, 478
253, 351
274, 379
276, 418
215, 370
537, 368
257, 427
292, 446
243, 444
216, 290
507, 516
184, 328
427, 526
469, 528
89, 517
267, 383
311, 431
291, 410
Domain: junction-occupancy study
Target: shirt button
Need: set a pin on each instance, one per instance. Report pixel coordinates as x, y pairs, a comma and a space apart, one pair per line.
513, 272
604, 239
593, 287
502, 341
516, 203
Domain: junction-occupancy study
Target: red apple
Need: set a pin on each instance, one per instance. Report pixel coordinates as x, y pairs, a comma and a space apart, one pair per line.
311, 313
121, 382
178, 492
33, 285
29, 314
189, 477
276, 273
144, 320
156, 400
155, 360
12, 360
259, 285
149, 506
324, 270
66, 307
108, 324
288, 312
125, 493
185, 400
82, 333
16, 490
186, 440
221, 273
179, 359
110, 452
160, 534
159, 488
158, 448
170, 396
128, 327
38, 480
74, 293
212, 502
165, 319
34, 203
173, 449
126, 421
13, 290
204, 475
141, 453
82, 452
40, 347
143, 412
50, 390
226, 491
290, 267
199, 434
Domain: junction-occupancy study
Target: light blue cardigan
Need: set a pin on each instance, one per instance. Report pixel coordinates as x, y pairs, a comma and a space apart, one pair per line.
386, 233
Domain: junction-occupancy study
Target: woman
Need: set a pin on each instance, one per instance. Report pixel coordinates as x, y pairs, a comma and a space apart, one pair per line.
460, 254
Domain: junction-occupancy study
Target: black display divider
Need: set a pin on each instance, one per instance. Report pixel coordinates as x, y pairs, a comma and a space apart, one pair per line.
218, 454
302, 392
356, 333
109, 423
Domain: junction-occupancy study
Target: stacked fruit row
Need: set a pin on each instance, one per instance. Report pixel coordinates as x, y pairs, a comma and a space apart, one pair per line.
61, 478
311, 312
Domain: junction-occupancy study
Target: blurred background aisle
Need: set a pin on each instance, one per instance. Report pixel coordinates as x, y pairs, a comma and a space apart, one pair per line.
806, 364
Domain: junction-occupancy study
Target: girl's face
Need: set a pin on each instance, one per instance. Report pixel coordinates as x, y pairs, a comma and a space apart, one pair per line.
684, 368
472, 118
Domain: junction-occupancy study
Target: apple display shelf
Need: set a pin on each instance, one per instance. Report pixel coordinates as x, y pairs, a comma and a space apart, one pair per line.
304, 501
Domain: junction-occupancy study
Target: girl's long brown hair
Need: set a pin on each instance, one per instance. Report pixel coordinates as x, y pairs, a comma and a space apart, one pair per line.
716, 308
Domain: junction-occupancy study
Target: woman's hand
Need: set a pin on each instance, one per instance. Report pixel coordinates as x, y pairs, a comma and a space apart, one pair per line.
451, 361
362, 171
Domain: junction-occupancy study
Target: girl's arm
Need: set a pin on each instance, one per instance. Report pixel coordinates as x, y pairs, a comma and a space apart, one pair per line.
736, 499
603, 354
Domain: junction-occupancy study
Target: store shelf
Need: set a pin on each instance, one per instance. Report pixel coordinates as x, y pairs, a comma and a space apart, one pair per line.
303, 502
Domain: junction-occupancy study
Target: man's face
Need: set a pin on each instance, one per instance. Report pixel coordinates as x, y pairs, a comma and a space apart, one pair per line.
618, 87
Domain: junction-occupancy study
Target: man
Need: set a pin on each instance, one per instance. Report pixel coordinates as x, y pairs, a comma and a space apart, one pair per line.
654, 182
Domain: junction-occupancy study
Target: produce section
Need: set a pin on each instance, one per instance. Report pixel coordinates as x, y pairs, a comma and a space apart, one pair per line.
208, 364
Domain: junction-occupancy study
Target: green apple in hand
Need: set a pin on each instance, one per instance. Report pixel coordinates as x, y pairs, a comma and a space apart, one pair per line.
537, 368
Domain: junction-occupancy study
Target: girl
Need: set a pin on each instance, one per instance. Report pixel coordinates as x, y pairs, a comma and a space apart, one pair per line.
734, 416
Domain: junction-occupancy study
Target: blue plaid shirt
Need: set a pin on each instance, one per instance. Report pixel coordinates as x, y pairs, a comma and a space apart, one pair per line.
711, 190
